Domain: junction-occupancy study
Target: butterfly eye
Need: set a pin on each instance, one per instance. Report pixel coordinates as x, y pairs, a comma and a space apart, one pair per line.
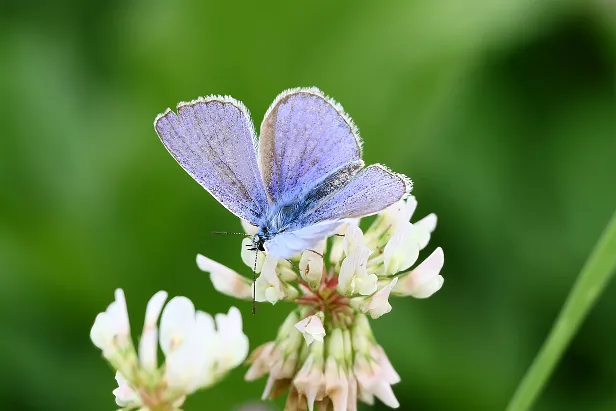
260, 246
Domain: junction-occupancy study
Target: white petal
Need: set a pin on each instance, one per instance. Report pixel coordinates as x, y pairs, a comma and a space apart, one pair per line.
429, 288
428, 222
408, 208
268, 285
262, 359
125, 395
176, 323
225, 280
188, 367
311, 267
431, 266
249, 228
111, 329
424, 280
352, 400
400, 212
248, 256
211, 346
353, 238
372, 381
120, 314
402, 249
388, 373
336, 385
366, 285
235, 343
310, 381
103, 332
311, 328
337, 247
273, 295
261, 287
379, 302
383, 392
391, 213
148, 345
182, 369
353, 266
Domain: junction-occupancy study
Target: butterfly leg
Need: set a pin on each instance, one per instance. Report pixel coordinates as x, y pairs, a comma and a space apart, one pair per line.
254, 282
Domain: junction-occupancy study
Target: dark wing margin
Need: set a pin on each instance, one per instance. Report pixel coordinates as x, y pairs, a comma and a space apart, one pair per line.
213, 139
305, 136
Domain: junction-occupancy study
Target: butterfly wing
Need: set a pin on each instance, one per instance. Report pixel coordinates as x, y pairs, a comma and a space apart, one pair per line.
289, 243
306, 137
213, 139
373, 189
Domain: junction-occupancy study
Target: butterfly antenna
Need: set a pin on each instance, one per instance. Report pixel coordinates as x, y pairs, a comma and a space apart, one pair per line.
230, 233
254, 284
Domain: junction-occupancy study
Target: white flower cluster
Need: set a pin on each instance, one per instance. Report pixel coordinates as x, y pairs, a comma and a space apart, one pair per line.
368, 267
330, 374
335, 289
199, 350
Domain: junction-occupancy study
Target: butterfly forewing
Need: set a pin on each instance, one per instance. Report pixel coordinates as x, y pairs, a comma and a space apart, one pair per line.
214, 141
304, 138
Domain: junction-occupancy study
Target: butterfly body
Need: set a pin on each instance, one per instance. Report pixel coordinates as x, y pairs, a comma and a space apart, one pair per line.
297, 182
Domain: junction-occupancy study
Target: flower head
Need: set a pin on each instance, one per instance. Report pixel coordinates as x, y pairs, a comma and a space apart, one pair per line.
338, 361
198, 351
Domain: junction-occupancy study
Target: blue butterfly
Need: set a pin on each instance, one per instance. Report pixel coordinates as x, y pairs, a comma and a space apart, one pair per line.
297, 182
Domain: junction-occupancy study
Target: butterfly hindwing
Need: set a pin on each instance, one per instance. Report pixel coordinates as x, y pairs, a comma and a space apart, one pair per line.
214, 141
371, 190
305, 137
289, 243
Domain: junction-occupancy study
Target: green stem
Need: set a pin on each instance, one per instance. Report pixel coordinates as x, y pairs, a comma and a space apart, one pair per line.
593, 278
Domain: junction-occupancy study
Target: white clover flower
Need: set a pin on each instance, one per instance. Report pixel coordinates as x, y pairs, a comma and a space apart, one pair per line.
353, 277
232, 342
353, 238
372, 369
424, 280
310, 379
251, 256
311, 265
225, 280
111, 329
378, 303
268, 285
402, 250
125, 396
197, 351
335, 289
277, 355
336, 373
311, 328
400, 212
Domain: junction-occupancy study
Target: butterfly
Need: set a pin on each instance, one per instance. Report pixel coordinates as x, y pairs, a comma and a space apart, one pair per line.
297, 182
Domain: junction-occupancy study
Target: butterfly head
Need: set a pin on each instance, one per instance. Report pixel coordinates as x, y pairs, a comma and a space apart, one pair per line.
259, 239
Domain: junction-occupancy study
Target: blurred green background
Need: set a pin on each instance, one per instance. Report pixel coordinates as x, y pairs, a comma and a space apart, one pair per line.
503, 113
